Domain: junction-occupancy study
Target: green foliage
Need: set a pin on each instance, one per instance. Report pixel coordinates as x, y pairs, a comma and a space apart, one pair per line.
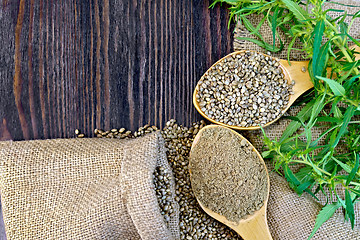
335, 74
324, 215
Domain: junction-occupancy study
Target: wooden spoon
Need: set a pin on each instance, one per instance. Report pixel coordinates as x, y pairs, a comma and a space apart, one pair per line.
296, 72
253, 227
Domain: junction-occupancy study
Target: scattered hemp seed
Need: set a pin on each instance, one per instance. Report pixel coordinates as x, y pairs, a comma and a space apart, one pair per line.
81, 135
194, 223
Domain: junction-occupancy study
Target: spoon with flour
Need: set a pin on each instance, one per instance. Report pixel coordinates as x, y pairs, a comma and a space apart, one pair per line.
230, 181
246, 89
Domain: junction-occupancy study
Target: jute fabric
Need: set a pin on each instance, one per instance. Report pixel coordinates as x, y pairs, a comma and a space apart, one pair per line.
266, 32
291, 217
83, 189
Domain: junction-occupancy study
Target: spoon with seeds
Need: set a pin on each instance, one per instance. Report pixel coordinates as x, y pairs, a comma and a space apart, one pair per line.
230, 181
246, 89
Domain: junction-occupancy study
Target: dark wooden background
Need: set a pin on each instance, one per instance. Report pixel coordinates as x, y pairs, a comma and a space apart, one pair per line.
67, 64
70, 64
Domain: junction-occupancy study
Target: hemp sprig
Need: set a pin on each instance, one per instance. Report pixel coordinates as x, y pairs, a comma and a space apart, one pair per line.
333, 104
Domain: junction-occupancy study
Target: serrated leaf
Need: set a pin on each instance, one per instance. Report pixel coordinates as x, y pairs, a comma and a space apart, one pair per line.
262, 44
337, 112
323, 58
324, 215
333, 138
310, 149
334, 10
317, 107
304, 114
291, 178
343, 4
349, 208
347, 74
344, 166
301, 188
353, 39
335, 87
349, 66
274, 24
308, 135
266, 154
303, 173
334, 171
353, 171
294, 119
315, 167
318, 35
329, 119
298, 12
256, 30
291, 44
356, 191
349, 113
348, 83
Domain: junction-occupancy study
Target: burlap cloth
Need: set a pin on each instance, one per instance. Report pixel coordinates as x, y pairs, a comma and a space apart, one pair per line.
289, 216
84, 189
266, 32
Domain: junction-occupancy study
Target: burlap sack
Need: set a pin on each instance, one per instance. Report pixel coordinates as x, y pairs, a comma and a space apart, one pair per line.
300, 212
84, 189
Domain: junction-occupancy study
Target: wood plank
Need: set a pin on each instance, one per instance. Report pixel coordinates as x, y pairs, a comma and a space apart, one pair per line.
103, 63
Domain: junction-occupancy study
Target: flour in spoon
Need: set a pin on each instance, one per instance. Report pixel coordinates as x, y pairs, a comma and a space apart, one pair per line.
227, 176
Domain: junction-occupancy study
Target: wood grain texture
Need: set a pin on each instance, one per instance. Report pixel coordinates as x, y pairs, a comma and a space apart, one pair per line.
71, 64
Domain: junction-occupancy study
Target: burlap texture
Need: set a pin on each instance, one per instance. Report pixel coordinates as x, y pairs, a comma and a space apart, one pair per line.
266, 32
293, 217
83, 189
300, 220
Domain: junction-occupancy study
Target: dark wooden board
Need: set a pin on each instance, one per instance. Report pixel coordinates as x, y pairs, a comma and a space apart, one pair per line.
67, 65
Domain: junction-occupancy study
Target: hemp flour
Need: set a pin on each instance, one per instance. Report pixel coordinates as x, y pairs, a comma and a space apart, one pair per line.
227, 176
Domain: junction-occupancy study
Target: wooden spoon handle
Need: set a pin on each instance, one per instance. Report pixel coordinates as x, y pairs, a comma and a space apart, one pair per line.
357, 49
256, 228
298, 72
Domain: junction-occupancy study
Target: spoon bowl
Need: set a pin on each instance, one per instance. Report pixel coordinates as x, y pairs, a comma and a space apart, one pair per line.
296, 71
251, 227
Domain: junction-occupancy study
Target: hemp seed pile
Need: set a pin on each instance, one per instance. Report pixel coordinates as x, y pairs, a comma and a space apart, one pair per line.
194, 222
227, 176
245, 89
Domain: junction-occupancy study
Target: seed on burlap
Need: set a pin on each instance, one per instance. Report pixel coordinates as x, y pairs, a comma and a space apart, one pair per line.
241, 90
194, 222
